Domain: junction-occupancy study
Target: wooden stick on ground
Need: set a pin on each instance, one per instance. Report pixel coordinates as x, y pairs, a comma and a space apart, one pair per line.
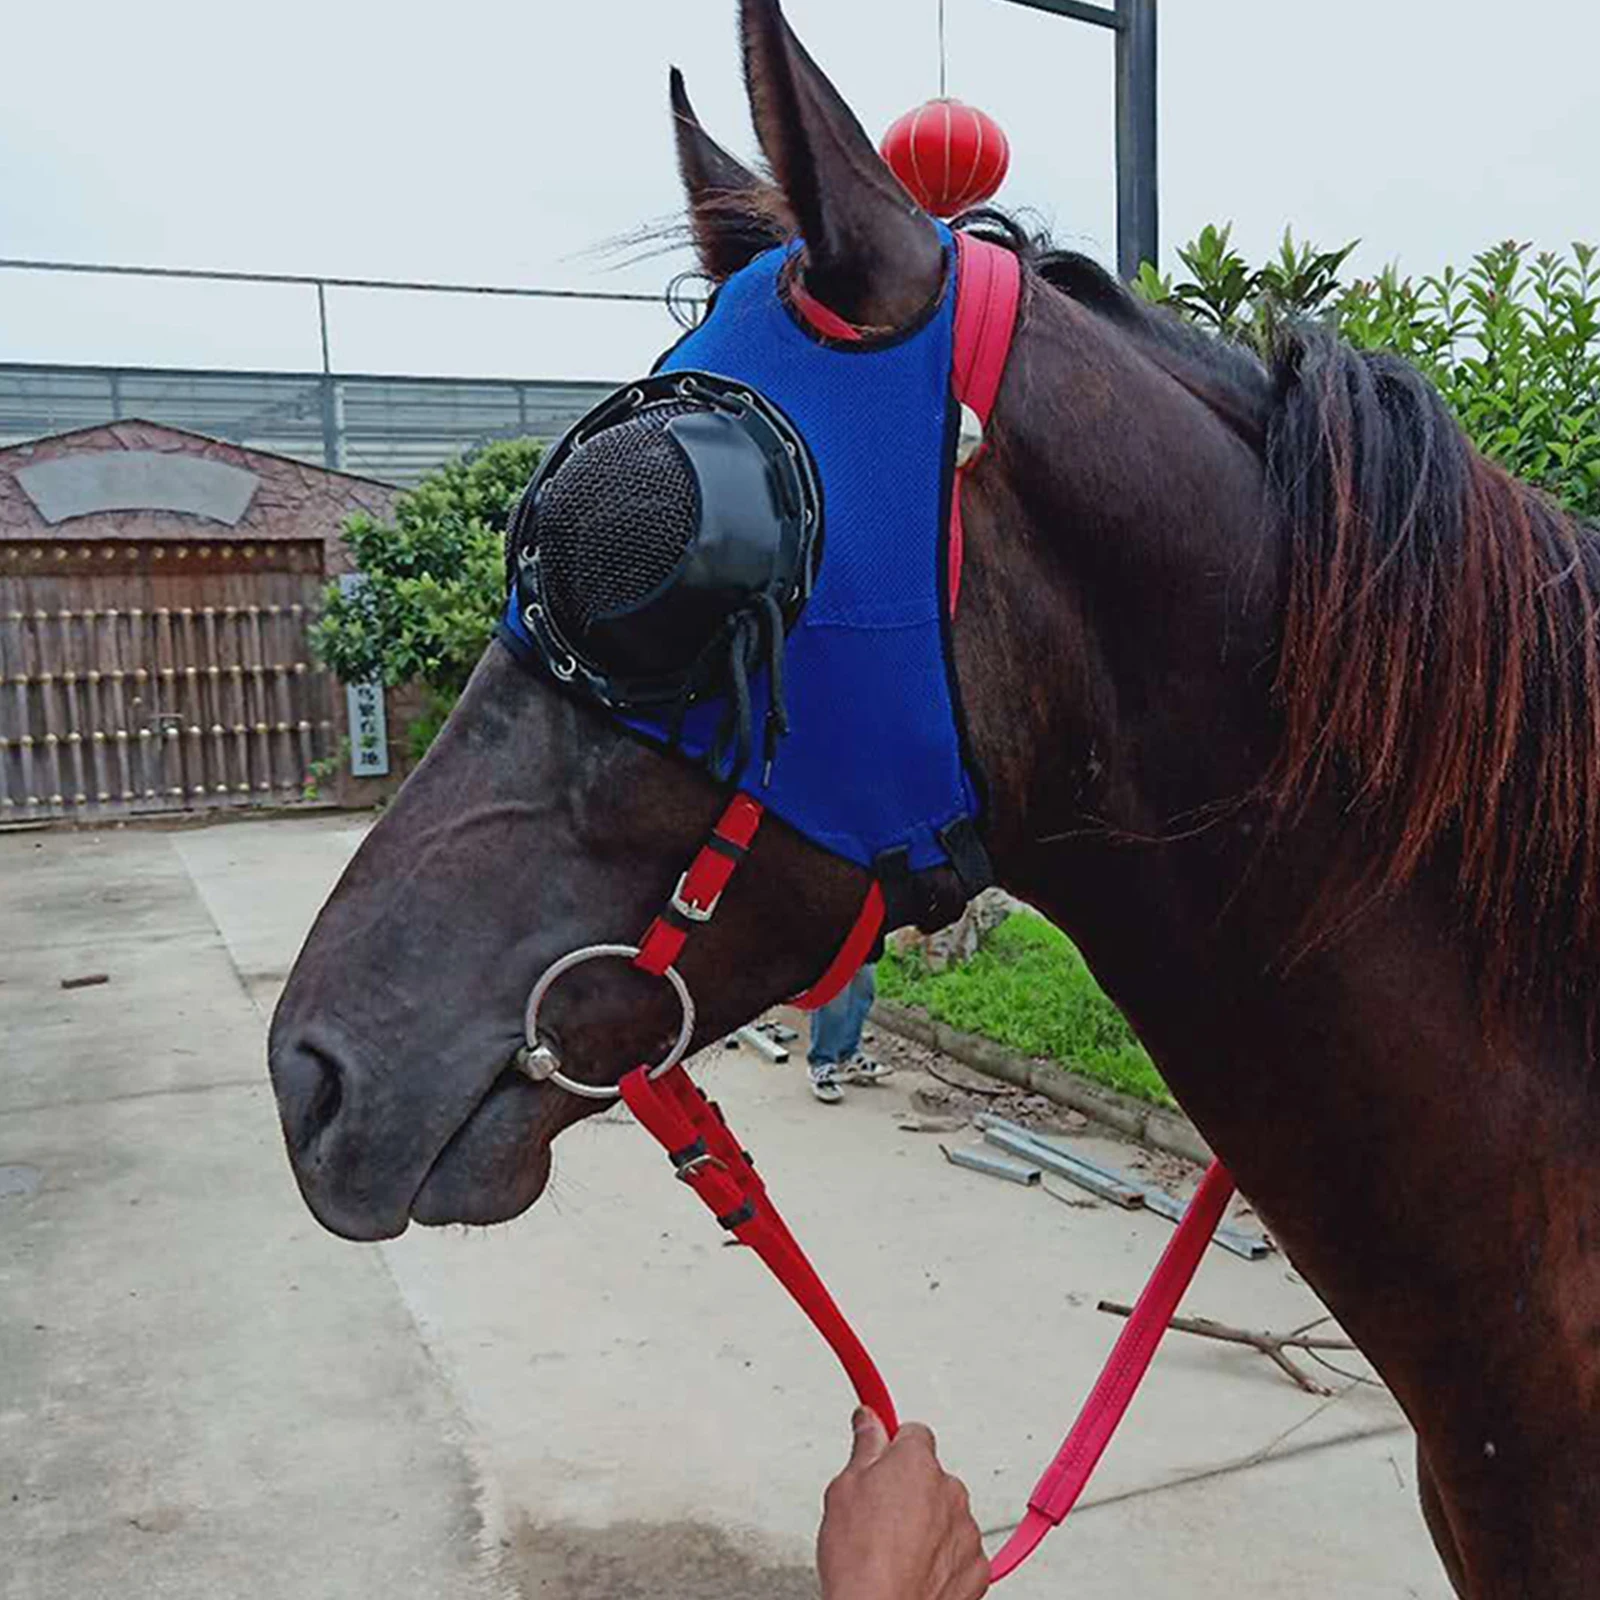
986, 1090
1271, 1345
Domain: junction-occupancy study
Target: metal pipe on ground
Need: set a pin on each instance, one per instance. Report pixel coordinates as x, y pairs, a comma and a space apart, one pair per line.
762, 1045
1248, 1246
1020, 1143
1161, 1130
994, 1166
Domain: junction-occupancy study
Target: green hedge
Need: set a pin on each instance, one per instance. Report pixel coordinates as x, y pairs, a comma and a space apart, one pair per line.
1027, 987
1512, 340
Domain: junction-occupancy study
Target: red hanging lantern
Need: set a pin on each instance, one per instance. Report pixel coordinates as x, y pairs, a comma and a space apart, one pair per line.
948, 154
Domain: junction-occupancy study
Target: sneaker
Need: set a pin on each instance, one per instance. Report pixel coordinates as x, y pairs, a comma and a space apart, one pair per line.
825, 1085
863, 1069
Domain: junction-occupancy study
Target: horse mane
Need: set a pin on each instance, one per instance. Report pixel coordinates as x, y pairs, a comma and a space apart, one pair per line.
1439, 658
1439, 655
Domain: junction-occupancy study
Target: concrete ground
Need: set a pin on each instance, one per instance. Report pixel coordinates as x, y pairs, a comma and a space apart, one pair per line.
201, 1394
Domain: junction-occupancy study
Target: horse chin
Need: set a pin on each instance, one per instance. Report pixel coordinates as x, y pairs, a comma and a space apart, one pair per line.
497, 1162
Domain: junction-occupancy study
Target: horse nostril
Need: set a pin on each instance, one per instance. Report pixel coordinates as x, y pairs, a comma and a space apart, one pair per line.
328, 1096
310, 1087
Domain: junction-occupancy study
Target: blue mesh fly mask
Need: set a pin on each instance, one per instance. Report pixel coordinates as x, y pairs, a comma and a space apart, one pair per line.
751, 560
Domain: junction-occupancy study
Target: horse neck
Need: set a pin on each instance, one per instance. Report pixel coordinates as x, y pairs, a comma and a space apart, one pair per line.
1434, 1181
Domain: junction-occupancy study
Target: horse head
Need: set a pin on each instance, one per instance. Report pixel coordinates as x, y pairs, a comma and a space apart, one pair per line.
538, 824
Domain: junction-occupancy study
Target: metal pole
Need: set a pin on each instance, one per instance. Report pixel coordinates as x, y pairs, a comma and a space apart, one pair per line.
1138, 209
1134, 23
1102, 16
332, 417
322, 324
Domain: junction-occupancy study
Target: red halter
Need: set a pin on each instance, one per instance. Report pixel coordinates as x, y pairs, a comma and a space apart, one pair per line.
703, 1150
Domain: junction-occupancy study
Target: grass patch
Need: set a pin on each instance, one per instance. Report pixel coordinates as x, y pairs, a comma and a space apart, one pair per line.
1029, 988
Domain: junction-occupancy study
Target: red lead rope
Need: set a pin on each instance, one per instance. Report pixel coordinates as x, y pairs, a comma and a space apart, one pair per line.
710, 1160
1057, 1491
702, 1148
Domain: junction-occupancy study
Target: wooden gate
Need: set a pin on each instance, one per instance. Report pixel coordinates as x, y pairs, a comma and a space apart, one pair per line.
141, 677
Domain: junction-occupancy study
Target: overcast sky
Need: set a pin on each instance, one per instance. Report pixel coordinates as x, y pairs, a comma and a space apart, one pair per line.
503, 142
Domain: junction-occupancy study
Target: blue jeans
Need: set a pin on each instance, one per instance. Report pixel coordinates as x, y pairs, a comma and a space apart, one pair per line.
836, 1028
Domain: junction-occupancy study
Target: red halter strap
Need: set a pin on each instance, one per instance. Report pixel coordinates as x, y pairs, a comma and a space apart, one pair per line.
710, 1160
699, 890
823, 319
694, 902
988, 294
691, 1129
852, 953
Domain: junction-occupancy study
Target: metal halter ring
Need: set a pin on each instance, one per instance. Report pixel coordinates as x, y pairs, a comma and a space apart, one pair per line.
540, 1063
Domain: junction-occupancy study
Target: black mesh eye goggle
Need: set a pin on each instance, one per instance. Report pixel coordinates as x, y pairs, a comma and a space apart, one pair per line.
665, 548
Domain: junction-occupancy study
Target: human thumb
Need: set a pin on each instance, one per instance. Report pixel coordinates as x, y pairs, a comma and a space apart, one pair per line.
871, 1437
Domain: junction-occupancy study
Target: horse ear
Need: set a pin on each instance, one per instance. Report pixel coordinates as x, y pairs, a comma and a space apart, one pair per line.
733, 214
872, 254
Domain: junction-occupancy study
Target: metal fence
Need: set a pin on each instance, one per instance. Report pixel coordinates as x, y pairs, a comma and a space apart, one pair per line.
395, 429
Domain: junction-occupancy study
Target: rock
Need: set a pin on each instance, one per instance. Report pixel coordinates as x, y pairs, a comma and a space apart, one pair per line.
960, 940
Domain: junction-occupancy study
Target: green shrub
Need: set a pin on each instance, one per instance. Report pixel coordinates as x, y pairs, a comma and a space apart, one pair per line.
1027, 987
1512, 342
435, 581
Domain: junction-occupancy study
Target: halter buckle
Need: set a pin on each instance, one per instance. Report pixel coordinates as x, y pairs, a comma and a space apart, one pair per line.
686, 908
695, 1165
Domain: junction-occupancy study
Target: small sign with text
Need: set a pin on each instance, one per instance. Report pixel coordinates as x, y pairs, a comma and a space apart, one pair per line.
369, 724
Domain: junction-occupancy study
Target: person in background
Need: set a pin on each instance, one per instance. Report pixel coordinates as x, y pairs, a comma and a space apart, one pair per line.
896, 1525
835, 1056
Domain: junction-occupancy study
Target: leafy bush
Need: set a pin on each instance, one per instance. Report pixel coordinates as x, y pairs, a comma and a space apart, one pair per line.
435, 579
1512, 342
1224, 292
1029, 988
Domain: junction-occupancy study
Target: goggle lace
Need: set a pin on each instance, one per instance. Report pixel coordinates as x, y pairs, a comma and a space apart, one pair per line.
751, 630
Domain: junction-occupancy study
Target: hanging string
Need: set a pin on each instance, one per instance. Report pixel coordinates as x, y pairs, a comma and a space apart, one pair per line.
943, 71
757, 628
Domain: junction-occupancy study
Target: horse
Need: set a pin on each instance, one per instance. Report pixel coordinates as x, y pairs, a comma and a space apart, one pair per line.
1287, 706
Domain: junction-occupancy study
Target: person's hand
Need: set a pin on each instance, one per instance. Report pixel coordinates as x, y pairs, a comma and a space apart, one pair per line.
896, 1525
